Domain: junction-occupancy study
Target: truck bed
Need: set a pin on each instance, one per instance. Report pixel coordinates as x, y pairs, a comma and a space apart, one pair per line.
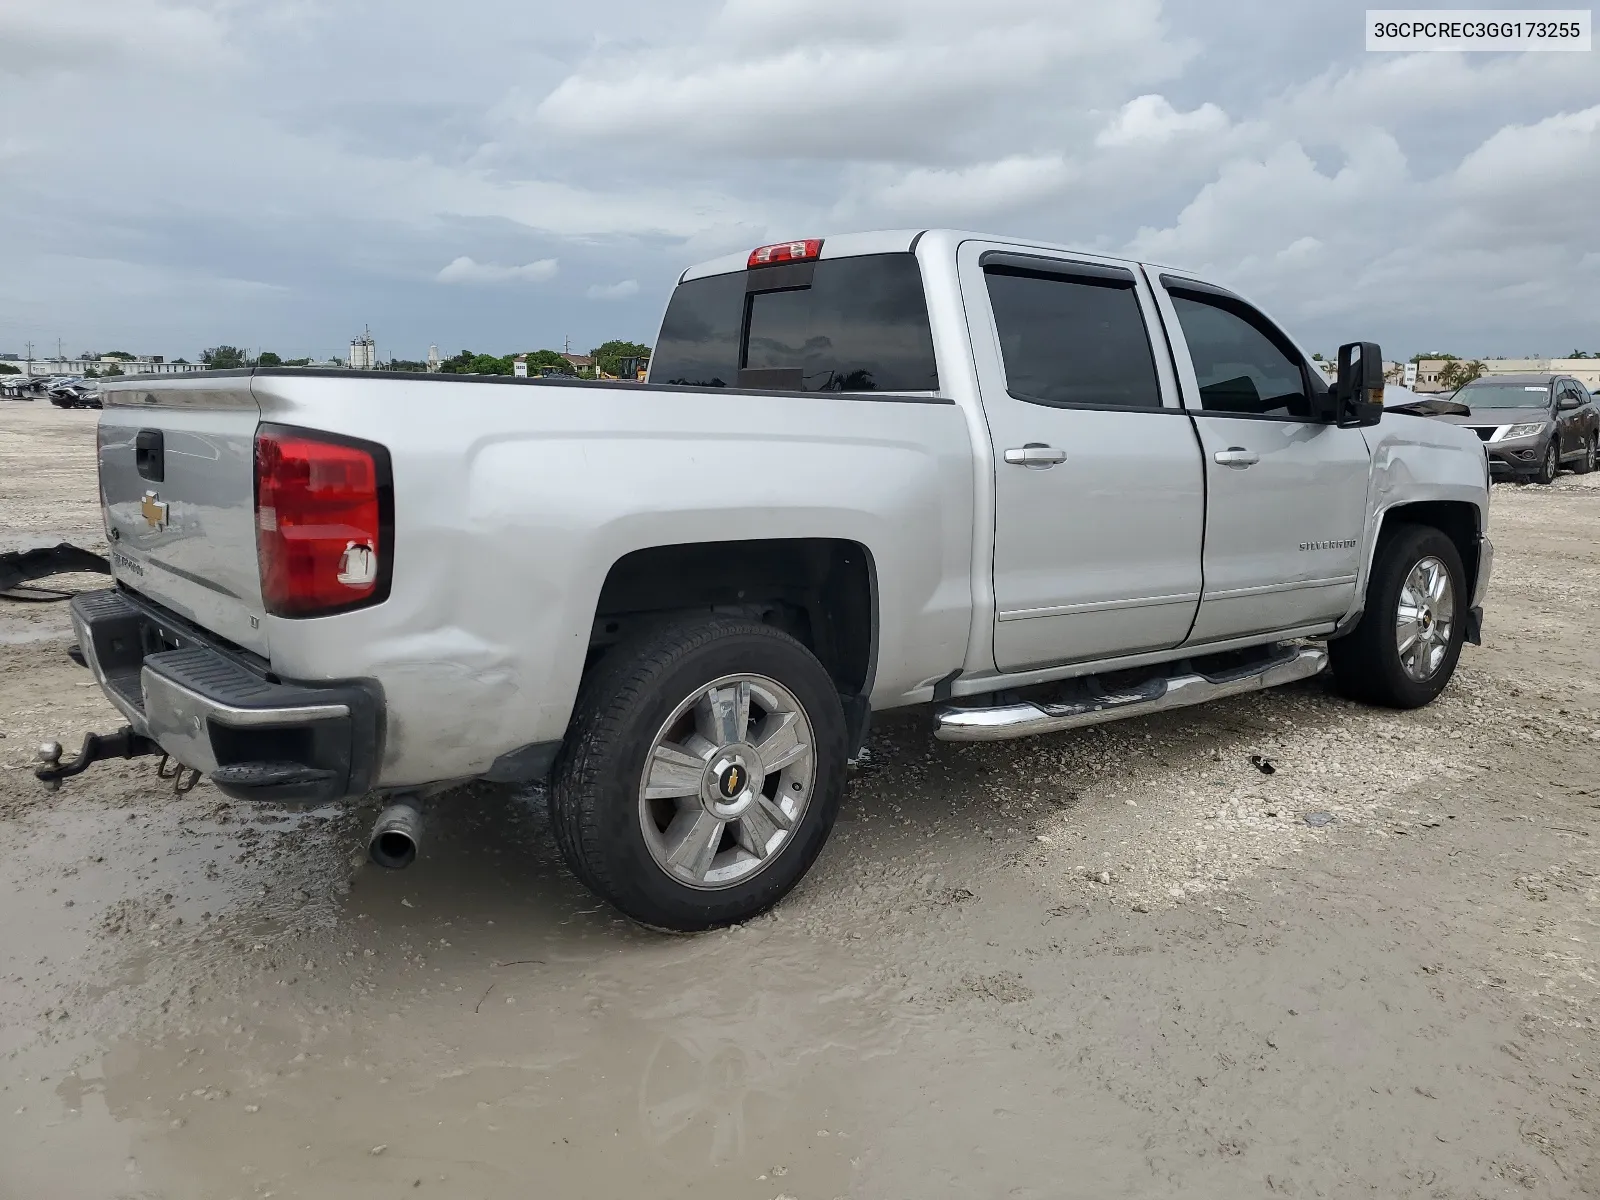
512, 501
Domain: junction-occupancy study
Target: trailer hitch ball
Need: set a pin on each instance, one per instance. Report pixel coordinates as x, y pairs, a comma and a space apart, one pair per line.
49, 756
124, 743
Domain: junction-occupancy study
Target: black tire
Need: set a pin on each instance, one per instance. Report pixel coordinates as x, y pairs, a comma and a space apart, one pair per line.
594, 793
1366, 661
1550, 464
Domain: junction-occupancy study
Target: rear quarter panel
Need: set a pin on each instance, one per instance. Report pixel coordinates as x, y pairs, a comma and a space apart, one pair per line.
513, 500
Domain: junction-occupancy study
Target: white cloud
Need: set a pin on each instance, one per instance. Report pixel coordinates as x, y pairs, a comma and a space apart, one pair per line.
839, 79
467, 270
1151, 119
931, 195
219, 141
1490, 250
613, 291
74, 36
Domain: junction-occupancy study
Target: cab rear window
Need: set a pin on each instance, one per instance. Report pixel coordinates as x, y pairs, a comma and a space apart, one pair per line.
856, 324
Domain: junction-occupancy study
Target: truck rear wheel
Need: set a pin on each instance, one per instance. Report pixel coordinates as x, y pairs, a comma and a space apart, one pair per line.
1403, 651
702, 773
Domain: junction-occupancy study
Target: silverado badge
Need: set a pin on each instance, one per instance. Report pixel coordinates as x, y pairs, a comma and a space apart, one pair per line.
154, 510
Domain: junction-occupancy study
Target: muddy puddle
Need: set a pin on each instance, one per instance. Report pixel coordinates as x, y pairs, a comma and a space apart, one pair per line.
268, 1022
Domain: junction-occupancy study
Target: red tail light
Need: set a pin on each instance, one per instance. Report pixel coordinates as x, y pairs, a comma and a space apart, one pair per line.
324, 522
782, 252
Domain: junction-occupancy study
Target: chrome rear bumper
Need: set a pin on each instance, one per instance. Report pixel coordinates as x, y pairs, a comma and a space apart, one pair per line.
256, 736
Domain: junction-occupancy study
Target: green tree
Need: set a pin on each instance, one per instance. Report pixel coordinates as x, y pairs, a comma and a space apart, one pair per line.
608, 356
1457, 374
550, 360
224, 358
404, 364
268, 359
122, 354
468, 363
1434, 354
113, 369
7, 369
296, 362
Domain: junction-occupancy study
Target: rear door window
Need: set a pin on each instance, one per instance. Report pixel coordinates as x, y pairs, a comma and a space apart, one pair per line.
1073, 342
856, 324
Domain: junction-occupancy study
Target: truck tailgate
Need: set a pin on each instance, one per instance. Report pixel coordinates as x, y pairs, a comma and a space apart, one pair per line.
177, 486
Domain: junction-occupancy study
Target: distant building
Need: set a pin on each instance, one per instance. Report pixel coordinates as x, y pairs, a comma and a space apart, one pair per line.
363, 352
1428, 375
579, 362
103, 365
1585, 370
433, 358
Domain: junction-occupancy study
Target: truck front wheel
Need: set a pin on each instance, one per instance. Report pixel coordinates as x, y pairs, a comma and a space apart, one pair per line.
702, 772
1404, 649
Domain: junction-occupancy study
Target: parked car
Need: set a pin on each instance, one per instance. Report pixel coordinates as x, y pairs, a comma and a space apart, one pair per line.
1532, 424
1032, 488
73, 392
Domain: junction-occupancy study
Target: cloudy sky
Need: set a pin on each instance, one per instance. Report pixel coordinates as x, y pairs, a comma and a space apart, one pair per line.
501, 175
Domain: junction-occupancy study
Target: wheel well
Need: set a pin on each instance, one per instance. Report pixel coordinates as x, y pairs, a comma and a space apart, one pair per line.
822, 591
1456, 520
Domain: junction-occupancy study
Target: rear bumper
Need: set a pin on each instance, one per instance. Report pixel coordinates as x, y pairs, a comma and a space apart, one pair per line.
257, 736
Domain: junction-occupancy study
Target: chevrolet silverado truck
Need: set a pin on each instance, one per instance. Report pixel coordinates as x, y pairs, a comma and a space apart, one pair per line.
1030, 488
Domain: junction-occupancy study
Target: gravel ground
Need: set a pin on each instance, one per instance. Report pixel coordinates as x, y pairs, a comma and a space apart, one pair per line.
1119, 962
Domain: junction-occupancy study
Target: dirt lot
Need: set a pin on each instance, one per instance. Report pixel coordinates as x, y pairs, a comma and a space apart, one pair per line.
1111, 963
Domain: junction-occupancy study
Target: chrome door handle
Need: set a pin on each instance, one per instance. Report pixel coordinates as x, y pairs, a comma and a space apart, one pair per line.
1035, 455
1236, 456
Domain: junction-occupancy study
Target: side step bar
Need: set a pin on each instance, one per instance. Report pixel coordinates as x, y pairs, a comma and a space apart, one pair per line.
1097, 706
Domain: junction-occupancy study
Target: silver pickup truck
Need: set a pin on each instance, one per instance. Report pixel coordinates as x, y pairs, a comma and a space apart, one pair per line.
1029, 487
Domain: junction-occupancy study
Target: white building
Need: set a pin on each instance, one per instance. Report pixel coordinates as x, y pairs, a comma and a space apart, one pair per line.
433, 358
1585, 370
363, 352
104, 365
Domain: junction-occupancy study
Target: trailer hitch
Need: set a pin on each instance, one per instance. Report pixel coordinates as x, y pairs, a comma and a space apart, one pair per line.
124, 743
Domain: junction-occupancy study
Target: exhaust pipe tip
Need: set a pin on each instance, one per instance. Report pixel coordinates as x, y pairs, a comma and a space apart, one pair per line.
395, 836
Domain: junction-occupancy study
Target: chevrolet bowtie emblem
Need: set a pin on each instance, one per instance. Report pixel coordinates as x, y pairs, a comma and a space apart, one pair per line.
154, 510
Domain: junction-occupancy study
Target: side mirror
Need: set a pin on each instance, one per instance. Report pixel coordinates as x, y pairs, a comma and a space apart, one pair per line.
1568, 400
1358, 394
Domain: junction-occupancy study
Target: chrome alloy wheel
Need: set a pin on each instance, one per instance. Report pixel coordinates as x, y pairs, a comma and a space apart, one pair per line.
728, 779
1425, 619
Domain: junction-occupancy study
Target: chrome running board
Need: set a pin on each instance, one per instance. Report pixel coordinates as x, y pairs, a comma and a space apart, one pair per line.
1097, 705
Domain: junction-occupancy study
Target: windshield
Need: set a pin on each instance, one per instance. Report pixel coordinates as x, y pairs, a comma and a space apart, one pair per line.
1505, 395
